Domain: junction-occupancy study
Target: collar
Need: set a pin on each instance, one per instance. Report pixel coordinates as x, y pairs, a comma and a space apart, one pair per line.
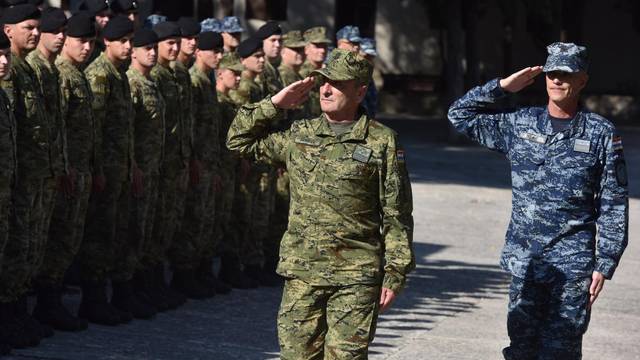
357, 132
576, 128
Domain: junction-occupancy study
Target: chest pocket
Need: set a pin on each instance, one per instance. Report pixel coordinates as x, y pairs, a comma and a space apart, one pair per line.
350, 169
527, 156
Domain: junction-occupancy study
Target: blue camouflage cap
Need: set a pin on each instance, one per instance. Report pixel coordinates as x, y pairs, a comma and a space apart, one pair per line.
567, 57
350, 33
211, 24
153, 20
368, 46
231, 24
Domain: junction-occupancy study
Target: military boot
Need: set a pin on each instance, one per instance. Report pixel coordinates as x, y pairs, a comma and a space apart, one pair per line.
206, 275
261, 276
125, 299
12, 332
21, 310
147, 290
96, 308
231, 273
185, 282
50, 311
174, 298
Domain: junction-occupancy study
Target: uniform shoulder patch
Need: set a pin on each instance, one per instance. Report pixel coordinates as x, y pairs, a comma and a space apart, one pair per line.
616, 143
400, 155
621, 172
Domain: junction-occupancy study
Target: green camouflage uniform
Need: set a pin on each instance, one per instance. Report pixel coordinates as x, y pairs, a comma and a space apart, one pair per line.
107, 220
149, 108
26, 229
174, 171
315, 35
196, 232
8, 166
269, 80
348, 232
67, 223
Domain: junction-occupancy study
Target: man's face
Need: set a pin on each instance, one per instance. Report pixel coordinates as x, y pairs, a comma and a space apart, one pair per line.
120, 48
272, 46
188, 45
339, 96
78, 49
231, 40
255, 62
102, 18
168, 49
293, 56
563, 86
348, 45
211, 58
5, 62
230, 79
146, 56
53, 41
316, 53
24, 35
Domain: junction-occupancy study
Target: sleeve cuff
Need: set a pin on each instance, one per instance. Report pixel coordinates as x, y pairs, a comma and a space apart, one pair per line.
393, 282
606, 268
495, 89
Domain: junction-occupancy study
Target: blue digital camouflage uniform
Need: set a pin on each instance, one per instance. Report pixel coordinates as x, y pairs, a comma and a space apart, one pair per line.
567, 187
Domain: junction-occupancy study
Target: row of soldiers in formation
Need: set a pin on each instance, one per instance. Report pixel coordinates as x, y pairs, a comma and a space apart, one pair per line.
115, 164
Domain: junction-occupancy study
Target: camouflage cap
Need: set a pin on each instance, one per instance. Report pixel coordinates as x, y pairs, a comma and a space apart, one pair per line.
211, 24
567, 57
317, 35
231, 24
293, 39
346, 65
368, 46
230, 61
350, 33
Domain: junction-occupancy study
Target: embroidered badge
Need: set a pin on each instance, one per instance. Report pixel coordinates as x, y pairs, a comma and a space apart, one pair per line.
583, 146
306, 141
361, 153
617, 143
538, 138
400, 155
621, 173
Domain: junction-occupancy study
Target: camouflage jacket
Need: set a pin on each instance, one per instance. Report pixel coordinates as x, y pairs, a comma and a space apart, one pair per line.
269, 80
8, 161
346, 220
206, 120
228, 111
113, 113
249, 91
175, 150
81, 130
48, 77
183, 77
289, 76
566, 186
148, 124
32, 135
313, 106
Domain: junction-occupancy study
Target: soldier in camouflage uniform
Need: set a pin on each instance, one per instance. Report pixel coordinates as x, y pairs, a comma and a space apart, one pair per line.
149, 110
100, 11
368, 50
569, 222
231, 32
315, 54
54, 258
348, 38
128, 8
174, 177
8, 166
271, 36
27, 236
105, 237
347, 251
234, 212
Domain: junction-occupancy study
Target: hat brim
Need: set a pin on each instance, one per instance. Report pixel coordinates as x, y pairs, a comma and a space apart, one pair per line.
355, 39
326, 72
320, 41
561, 63
295, 45
237, 68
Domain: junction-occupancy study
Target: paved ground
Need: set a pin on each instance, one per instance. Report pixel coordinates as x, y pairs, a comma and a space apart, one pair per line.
455, 303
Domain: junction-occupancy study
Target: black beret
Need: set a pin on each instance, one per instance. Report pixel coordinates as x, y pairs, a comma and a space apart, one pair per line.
81, 25
4, 41
167, 29
117, 28
144, 37
189, 26
210, 40
94, 6
249, 47
20, 13
52, 20
268, 29
124, 6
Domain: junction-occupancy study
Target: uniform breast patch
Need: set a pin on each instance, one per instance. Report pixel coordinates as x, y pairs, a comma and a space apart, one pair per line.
307, 141
362, 154
530, 136
583, 146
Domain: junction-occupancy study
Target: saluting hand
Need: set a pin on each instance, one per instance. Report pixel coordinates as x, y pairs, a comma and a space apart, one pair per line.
521, 79
293, 95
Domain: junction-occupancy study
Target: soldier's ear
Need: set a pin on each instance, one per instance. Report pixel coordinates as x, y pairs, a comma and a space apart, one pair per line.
7, 30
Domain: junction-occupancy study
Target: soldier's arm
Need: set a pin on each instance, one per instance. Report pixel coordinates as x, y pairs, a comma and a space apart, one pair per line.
249, 133
397, 221
65, 93
613, 208
100, 92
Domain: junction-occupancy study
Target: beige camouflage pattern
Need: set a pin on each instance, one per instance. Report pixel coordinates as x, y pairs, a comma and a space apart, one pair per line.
317, 35
346, 65
269, 80
293, 39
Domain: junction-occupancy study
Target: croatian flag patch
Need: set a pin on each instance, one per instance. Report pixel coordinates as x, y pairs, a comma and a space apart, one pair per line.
617, 143
400, 155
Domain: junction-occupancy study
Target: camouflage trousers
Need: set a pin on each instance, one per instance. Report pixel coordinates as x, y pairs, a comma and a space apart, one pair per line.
65, 232
327, 322
172, 192
134, 255
224, 228
547, 320
106, 226
5, 202
263, 206
186, 250
32, 200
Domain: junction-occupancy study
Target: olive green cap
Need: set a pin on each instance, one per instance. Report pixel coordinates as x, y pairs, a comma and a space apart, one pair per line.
293, 39
230, 61
317, 35
346, 65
